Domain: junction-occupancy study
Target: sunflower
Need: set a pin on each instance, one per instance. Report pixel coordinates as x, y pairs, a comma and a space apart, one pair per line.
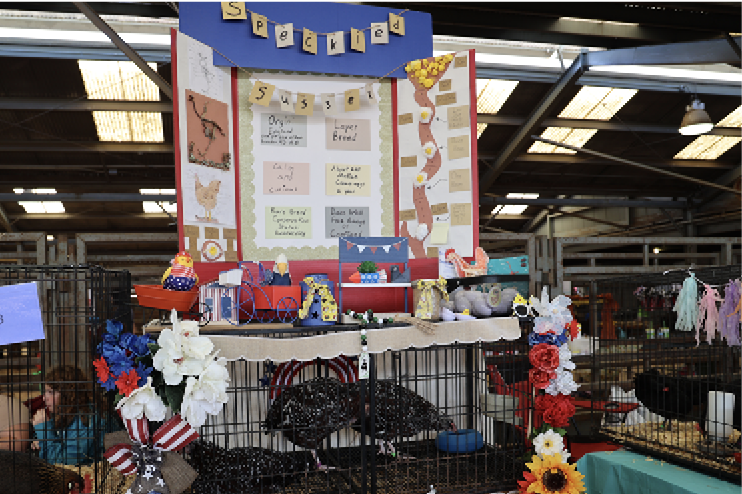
554, 477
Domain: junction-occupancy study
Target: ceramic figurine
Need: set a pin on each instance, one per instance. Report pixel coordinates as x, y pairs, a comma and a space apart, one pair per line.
180, 276
281, 276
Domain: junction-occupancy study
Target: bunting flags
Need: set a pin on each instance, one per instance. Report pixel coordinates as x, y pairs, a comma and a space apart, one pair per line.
373, 248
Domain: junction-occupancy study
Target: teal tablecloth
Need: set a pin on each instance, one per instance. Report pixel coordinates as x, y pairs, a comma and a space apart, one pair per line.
622, 472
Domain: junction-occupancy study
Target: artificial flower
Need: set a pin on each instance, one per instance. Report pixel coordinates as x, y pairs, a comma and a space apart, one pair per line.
556, 409
105, 377
143, 372
118, 361
563, 383
171, 360
429, 149
421, 180
428, 83
540, 378
556, 310
425, 114
553, 476
544, 356
565, 356
205, 395
142, 402
545, 325
524, 484
136, 344
127, 382
548, 443
573, 327
194, 346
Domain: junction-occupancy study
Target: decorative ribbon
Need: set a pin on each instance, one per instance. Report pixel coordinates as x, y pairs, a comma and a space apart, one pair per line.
425, 304
155, 472
328, 304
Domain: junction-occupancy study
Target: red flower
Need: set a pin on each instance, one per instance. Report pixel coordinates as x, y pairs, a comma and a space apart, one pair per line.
544, 356
102, 370
556, 409
523, 484
540, 378
572, 326
127, 383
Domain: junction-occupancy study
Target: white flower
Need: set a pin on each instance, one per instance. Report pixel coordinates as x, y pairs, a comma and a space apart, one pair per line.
565, 356
429, 149
564, 454
194, 346
543, 325
205, 395
557, 309
421, 231
421, 180
563, 383
548, 443
425, 114
171, 360
142, 402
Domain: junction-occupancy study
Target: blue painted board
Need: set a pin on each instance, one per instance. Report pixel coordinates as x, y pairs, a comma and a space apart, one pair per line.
354, 254
20, 314
234, 38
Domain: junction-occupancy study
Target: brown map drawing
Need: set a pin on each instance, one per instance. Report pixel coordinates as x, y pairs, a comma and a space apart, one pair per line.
207, 126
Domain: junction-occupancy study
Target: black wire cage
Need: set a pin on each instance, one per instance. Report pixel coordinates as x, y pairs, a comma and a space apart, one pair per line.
75, 302
656, 388
312, 427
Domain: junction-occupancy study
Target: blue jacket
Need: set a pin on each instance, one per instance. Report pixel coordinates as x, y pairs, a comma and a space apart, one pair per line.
77, 444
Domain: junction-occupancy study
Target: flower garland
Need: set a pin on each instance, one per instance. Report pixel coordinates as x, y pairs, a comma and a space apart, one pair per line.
552, 373
178, 371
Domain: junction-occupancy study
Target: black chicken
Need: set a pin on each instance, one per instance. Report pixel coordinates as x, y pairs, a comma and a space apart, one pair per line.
398, 412
682, 398
308, 412
23, 473
245, 470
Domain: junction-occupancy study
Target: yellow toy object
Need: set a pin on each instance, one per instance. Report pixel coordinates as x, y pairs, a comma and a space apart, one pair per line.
180, 276
521, 308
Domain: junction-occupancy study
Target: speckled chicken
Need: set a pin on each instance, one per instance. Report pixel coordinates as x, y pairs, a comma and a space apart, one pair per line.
23, 473
207, 195
307, 413
398, 412
245, 470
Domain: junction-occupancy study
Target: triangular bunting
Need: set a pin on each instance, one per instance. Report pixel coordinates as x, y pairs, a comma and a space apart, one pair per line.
360, 248
348, 244
373, 249
386, 248
397, 245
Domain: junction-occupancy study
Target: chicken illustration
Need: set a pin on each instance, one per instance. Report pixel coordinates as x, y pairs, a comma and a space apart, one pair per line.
207, 196
464, 269
180, 276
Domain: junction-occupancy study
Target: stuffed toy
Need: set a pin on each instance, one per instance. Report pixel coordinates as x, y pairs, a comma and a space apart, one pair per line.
180, 276
494, 302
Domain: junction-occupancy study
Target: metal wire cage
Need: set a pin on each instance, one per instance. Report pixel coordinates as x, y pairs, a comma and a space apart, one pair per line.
655, 388
378, 435
75, 302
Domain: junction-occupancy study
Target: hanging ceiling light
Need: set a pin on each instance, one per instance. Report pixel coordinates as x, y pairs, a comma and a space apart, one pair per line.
696, 121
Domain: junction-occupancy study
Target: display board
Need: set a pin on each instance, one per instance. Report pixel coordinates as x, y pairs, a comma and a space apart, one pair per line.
308, 179
436, 155
205, 166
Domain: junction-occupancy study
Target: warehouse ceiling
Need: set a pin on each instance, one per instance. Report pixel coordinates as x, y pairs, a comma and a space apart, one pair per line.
56, 129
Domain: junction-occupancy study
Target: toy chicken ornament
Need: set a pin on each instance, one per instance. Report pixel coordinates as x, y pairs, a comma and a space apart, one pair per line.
180, 276
281, 276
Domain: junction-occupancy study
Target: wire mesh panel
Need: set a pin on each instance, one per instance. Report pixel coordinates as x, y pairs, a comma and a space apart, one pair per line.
315, 427
57, 441
672, 393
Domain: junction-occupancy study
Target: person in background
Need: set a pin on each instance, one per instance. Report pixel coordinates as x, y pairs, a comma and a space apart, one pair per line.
15, 424
71, 432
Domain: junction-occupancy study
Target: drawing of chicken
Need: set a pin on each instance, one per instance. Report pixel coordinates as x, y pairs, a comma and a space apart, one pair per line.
206, 196
464, 269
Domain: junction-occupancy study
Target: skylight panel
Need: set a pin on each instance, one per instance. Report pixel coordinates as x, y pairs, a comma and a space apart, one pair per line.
491, 95
40, 207
708, 147
514, 208
590, 103
153, 207
114, 80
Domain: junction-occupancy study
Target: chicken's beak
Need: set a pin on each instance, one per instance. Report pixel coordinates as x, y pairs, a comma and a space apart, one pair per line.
282, 267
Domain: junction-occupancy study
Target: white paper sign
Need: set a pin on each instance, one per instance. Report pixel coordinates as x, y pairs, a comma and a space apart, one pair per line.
205, 78
286, 99
329, 105
284, 35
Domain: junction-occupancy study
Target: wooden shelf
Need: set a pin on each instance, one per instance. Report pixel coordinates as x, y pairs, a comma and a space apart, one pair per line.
376, 285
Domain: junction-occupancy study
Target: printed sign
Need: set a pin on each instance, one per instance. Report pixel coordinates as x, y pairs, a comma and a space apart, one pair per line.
346, 222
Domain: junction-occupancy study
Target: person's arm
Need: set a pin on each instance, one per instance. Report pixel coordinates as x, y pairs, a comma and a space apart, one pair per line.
16, 438
70, 448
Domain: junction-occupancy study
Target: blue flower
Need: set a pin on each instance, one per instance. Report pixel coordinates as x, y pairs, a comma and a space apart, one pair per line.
136, 344
548, 338
143, 372
114, 327
109, 385
120, 366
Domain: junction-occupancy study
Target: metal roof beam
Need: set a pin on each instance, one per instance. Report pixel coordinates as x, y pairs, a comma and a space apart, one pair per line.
558, 159
694, 52
46, 104
592, 203
5, 221
88, 197
521, 137
86, 147
575, 123
128, 50
639, 165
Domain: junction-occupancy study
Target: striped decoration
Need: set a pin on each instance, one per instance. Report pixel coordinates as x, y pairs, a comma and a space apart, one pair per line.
174, 434
218, 303
119, 457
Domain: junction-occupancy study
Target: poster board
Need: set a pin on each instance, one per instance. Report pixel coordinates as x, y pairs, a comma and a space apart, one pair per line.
436, 156
206, 169
306, 180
